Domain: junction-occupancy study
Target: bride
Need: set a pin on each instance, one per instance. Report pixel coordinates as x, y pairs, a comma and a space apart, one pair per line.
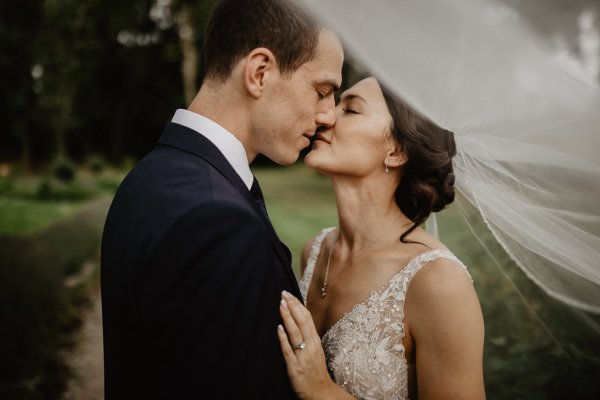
390, 312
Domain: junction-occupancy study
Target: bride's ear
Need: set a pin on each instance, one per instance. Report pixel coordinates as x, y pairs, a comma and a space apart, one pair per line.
395, 157
260, 66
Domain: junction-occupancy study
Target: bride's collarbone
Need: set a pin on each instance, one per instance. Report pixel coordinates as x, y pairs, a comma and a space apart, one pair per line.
366, 274
340, 300
354, 285
343, 295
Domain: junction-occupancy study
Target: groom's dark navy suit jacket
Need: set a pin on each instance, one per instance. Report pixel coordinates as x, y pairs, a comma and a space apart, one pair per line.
192, 273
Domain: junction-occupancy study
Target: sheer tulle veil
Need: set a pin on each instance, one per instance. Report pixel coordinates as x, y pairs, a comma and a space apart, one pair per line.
526, 123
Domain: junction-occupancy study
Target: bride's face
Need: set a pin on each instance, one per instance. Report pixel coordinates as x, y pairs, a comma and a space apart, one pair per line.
359, 141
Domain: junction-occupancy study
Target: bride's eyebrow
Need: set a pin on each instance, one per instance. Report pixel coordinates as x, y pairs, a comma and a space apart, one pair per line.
351, 96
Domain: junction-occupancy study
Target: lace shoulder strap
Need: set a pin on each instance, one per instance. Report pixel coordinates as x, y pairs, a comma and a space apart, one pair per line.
312, 260
422, 259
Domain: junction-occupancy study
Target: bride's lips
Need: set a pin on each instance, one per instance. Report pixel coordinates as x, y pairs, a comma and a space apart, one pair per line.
322, 138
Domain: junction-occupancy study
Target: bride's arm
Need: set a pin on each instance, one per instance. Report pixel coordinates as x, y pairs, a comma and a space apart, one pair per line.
444, 319
306, 367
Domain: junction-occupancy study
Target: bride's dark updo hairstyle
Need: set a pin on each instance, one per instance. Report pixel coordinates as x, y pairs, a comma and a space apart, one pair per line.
427, 182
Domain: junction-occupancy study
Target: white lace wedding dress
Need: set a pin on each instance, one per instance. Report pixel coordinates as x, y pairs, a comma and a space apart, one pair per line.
364, 348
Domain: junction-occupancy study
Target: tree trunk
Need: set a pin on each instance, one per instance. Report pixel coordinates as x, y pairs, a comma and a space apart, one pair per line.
25, 150
189, 66
64, 115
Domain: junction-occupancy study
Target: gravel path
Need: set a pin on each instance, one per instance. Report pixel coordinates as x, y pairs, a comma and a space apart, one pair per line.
86, 360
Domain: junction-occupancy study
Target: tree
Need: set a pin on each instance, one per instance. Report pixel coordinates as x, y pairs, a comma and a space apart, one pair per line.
92, 76
18, 30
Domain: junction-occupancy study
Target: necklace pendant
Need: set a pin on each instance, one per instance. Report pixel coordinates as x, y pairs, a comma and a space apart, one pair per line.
323, 290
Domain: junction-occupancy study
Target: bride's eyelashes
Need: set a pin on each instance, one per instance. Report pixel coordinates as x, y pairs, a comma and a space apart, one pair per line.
349, 111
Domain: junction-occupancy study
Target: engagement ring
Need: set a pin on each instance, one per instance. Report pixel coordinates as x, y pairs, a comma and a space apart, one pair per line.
300, 346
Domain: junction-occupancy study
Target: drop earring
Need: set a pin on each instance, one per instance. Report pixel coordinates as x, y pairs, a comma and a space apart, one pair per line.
386, 167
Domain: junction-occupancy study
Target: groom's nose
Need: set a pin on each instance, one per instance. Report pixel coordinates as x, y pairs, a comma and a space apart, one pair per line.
326, 114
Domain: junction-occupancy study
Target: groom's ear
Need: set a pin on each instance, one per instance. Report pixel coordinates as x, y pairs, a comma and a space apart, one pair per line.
259, 69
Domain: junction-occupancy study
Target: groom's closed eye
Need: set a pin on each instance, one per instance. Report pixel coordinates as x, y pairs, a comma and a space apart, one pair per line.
322, 94
327, 88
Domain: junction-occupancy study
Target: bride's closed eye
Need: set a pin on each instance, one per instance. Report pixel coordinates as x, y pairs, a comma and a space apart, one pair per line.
349, 111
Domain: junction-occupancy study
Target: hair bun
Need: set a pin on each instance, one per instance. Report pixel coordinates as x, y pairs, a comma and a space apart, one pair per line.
445, 192
427, 183
445, 189
450, 143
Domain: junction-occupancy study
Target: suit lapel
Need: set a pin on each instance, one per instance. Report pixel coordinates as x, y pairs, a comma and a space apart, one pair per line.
190, 141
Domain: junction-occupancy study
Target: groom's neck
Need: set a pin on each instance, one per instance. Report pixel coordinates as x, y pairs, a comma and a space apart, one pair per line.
221, 104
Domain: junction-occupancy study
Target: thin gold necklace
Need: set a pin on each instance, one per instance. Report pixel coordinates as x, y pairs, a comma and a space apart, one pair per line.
324, 285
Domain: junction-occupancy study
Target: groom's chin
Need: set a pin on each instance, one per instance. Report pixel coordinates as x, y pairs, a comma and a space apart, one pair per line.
284, 159
290, 160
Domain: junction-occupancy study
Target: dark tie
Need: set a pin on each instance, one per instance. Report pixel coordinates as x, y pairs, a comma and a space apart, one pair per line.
258, 197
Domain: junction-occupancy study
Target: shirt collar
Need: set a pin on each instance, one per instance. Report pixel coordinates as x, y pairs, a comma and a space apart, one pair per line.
231, 148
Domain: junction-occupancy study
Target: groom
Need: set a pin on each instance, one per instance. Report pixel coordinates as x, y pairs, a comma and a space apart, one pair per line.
192, 270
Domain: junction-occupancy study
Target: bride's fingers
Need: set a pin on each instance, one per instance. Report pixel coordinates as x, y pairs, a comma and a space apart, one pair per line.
301, 316
288, 353
293, 332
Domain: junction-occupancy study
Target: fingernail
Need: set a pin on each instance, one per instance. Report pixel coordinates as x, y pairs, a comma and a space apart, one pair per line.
280, 328
285, 294
284, 304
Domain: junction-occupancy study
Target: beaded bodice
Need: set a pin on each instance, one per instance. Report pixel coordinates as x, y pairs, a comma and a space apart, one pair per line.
364, 348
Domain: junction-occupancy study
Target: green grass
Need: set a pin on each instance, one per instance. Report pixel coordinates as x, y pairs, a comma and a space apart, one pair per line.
32, 203
23, 216
536, 348
36, 308
300, 203
48, 229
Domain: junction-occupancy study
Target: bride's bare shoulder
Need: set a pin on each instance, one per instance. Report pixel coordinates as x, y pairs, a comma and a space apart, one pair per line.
324, 235
425, 239
305, 253
417, 242
442, 290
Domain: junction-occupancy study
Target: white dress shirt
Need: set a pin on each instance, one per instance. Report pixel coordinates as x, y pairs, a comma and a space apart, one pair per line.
228, 145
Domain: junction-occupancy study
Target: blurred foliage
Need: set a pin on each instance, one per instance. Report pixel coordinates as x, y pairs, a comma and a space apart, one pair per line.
96, 163
51, 189
48, 230
63, 169
36, 308
23, 216
73, 86
28, 204
6, 185
300, 203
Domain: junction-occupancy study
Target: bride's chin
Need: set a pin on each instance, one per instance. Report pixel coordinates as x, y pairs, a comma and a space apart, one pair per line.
318, 167
312, 162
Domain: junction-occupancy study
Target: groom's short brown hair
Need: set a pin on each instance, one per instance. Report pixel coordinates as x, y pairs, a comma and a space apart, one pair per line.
236, 27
